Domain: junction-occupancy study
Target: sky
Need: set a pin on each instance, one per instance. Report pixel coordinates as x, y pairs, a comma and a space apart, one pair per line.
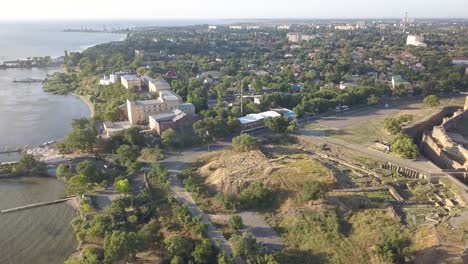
230, 9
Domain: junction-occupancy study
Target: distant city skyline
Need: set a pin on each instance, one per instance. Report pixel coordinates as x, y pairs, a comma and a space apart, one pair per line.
239, 9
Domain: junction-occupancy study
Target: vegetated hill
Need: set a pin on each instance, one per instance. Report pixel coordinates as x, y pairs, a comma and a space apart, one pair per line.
335, 229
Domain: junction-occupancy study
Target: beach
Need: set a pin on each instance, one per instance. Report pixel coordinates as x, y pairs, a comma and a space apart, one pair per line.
88, 103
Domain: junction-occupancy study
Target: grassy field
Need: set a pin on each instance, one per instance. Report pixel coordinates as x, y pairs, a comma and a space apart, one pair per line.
366, 126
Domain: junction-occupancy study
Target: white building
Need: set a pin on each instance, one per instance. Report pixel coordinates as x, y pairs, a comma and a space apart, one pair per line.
252, 27
105, 81
115, 76
256, 121
460, 61
236, 27
345, 27
414, 40
283, 27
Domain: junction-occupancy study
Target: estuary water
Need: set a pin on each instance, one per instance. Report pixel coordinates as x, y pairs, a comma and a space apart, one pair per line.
29, 116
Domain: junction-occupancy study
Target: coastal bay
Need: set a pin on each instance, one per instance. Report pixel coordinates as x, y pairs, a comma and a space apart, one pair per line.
30, 116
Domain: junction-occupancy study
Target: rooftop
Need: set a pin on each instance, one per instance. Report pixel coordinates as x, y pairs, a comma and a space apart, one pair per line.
399, 78
169, 95
161, 83
174, 115
130, 77
256, 117
149, 102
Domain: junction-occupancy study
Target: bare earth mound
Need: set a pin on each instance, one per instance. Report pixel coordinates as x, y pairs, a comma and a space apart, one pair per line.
231, 172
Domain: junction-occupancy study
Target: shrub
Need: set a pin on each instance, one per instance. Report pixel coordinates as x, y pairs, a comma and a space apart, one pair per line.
313, 190
255, 195
151, 154
236, 222
203, 252
404, 146
63, 171
392, 250
92, 254
244, 143
431, 101
392, 125
245, 246
372, 100
178, 245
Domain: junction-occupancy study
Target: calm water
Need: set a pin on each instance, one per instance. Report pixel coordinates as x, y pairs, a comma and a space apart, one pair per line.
28, 116
39, 235
20, 40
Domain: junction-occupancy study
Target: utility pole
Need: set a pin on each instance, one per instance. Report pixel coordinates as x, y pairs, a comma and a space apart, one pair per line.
242, 97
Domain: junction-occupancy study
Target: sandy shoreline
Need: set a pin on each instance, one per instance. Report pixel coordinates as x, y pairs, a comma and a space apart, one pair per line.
87, 102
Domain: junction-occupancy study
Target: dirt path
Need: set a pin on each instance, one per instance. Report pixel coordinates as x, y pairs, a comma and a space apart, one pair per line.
254, 223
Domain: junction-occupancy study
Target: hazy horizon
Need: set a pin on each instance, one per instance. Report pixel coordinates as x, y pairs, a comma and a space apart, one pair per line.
52, 10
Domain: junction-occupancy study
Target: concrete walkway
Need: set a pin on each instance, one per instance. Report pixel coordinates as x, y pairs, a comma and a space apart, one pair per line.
175, 164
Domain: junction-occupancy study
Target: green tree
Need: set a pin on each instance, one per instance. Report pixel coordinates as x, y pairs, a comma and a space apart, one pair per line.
372, 100
203, 252
392, 250
151, 154
63, 171
81, 139
222, 259
149, 233
30, 165
233, 124
404, 146
244, 142
73, 260
178, 245
293, 127
177, 260
126, 155
257, 194
277, 124
392, 125
236, 222
89, 170
121, 245
78, 184
313, 190
245, 246
122, 186
92, 254
431, 101
159, 174
168, 138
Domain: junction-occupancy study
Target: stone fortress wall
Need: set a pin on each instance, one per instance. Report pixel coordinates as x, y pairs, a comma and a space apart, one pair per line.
444, 147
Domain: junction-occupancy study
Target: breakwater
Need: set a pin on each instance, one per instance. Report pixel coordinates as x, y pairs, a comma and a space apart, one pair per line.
34, 205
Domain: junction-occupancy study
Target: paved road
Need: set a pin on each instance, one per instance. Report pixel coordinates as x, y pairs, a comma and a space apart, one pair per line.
175, 165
